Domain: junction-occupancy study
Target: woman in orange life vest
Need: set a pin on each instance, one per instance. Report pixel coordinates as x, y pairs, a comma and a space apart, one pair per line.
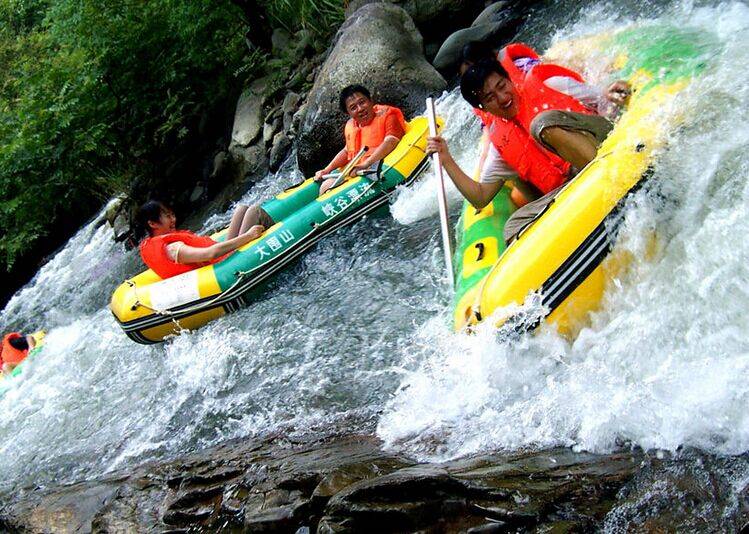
543, 128
15, 348
376, 126
169, 252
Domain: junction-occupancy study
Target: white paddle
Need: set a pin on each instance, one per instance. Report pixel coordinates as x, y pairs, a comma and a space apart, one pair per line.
441, 198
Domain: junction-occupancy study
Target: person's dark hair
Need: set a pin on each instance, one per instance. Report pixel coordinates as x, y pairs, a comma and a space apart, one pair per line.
476, 51
19, 343
472, 81
150, 211
349, 91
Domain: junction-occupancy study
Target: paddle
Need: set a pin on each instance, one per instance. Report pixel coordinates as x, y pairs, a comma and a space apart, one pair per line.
344, 174
441, 197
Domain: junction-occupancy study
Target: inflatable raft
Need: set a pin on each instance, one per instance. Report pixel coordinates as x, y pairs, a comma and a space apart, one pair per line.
564, 257
6, 381
148, 308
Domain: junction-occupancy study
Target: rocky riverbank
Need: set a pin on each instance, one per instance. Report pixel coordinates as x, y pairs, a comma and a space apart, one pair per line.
349, 484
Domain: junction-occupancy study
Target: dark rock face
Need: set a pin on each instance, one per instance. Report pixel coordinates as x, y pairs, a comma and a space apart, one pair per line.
347, 484
434, 19
495, 25
379, 47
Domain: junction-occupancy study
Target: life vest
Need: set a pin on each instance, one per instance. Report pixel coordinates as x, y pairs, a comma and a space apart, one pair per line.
509, 54
512, 138
11, 354
373, 134
153, 252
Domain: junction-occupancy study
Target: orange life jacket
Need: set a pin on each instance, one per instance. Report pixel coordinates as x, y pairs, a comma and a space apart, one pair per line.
373, 134
512, 138
11, 354
153, 252
513, 51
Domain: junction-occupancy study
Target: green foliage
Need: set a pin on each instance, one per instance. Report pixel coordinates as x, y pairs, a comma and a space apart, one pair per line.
93, 90
320, 17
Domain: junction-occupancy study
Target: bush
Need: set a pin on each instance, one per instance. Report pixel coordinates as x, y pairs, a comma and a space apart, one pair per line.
95, 94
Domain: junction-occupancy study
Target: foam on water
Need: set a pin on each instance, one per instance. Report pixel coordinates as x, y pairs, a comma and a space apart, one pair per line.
665, 362
356, 335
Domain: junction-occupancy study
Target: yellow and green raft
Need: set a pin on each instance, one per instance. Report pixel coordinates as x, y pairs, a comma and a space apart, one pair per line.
564, 255
148, 308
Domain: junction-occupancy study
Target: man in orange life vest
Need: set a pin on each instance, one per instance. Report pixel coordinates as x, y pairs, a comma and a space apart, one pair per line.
375, 126
543, 126
15, 348
169, 252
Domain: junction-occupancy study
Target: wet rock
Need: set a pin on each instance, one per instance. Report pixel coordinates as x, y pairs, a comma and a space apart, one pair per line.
279, 149
290, 104
118, 217
248, 118
495, 25
270, 129
349, 484
434, 19
378, 46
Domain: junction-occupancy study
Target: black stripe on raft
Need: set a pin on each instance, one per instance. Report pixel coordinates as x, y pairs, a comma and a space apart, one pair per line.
575, 269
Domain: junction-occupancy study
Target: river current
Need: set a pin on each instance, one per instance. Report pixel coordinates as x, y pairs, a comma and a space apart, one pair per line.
356, 337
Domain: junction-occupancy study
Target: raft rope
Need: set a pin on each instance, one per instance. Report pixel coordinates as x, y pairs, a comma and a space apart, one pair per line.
241, 275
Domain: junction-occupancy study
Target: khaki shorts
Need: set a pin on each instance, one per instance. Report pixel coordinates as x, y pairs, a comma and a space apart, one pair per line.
259, 216
597, 126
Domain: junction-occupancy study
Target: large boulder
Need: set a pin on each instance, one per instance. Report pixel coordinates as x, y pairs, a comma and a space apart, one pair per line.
495, 25
380, 48
434, 19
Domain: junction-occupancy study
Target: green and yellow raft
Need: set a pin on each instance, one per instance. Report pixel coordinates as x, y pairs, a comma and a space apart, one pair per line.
564, 255
148, 308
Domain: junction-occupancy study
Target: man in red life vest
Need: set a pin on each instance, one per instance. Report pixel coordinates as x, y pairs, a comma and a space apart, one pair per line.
15, 348
543, 124
375, 126
169, 252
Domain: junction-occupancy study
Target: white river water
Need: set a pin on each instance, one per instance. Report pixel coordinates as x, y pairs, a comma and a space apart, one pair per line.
356, 337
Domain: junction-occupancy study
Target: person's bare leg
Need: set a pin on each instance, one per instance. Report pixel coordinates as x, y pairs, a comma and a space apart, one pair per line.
236, 221
251, 218
579, 148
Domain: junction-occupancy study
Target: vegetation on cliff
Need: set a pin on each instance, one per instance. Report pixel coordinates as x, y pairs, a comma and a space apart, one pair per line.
95, 96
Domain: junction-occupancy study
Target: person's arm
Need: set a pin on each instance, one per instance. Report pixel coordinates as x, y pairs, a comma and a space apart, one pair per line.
339, 160
186, 254
590, 96
477, 193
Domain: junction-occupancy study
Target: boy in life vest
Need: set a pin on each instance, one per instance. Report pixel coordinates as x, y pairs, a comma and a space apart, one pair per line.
543, 123
169, 252
375, 126
16, 347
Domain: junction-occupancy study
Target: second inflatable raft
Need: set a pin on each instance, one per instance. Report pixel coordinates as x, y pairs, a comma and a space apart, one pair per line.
148, 308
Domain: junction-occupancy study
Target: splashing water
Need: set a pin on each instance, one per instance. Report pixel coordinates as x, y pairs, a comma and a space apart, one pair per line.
665, 361
356, 335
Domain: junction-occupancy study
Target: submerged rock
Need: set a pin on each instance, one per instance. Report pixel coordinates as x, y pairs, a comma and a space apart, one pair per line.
379, 47
345, 484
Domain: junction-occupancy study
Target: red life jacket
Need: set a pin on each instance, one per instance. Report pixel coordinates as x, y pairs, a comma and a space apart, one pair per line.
509, 54
10, 354
373, 134
512, 138
153, 252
